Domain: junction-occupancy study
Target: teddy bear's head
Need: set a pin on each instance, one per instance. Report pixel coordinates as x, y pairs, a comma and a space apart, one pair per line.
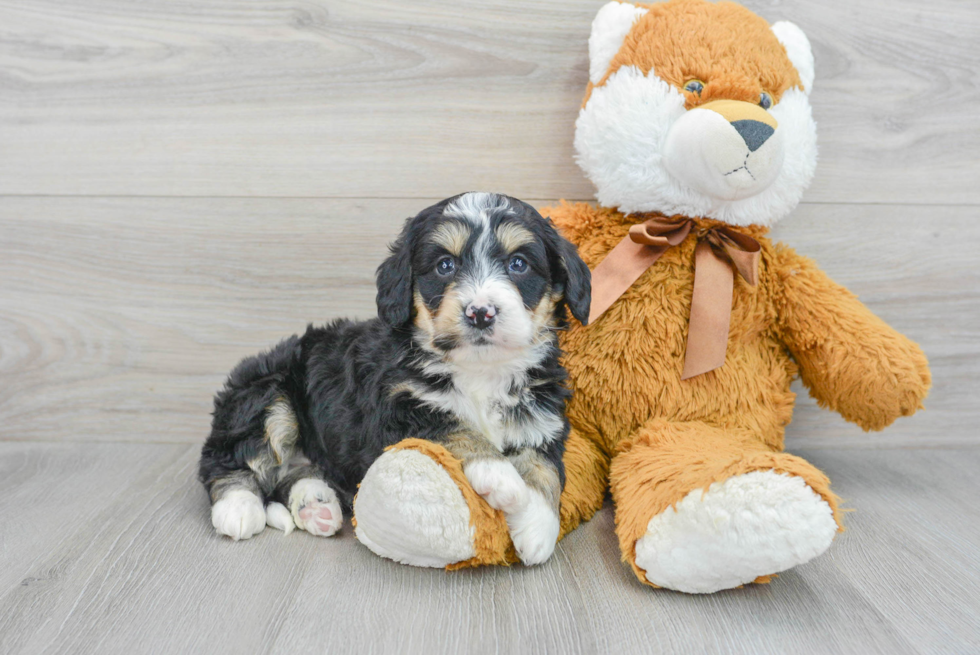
698, 109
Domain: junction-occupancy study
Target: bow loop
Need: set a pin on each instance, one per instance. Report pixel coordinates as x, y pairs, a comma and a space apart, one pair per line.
720, 249
741, 250
657, 232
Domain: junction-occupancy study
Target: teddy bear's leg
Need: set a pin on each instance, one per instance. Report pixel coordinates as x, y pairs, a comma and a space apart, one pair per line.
700, 508
415, 506
586, 481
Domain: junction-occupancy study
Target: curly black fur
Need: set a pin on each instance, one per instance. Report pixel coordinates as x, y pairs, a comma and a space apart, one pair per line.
356, 388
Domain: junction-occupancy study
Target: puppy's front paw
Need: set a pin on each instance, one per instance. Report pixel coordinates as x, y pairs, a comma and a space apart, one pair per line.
499, 483
238, 514
534, 530
315, 508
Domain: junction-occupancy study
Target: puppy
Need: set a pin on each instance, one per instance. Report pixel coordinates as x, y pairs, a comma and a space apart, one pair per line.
464, 353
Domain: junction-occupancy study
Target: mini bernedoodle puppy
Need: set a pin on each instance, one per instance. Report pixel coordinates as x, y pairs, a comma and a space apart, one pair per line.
464, 353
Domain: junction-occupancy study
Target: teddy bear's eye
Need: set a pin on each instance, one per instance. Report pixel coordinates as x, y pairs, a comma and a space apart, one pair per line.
765, 100
694, 86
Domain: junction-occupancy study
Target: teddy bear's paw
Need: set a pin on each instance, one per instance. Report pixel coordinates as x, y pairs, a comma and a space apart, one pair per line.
534, 529
314, 507
499, 483
748, 526
410, 510
238, 514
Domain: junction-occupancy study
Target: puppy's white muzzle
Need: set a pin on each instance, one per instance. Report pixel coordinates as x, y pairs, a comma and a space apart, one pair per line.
726, 149
505, 321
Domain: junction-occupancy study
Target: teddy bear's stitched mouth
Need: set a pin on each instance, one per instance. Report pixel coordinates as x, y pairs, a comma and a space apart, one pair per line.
743, 167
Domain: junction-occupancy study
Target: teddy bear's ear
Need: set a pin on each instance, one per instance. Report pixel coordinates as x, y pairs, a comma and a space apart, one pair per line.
610, 27
798, 48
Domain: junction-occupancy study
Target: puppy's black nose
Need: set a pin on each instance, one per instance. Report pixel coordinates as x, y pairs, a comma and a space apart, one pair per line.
480, 317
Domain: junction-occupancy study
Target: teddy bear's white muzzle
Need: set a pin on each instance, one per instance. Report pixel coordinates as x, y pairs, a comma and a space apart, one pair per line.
729, 160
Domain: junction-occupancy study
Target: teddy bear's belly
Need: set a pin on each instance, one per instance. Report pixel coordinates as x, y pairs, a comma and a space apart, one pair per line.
626, 368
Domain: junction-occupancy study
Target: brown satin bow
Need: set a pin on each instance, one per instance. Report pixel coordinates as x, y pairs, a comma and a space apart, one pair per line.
719, 249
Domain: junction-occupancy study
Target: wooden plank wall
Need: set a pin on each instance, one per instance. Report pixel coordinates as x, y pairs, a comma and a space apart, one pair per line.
183, 183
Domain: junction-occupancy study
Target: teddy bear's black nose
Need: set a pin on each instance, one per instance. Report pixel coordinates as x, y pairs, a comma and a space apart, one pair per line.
754, 133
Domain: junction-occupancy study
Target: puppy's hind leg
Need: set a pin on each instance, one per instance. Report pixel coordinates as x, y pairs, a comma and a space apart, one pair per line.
244, 459
304, 499
236, 509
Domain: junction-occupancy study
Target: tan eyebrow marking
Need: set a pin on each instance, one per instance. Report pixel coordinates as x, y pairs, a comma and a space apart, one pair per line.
452, 235
512, 236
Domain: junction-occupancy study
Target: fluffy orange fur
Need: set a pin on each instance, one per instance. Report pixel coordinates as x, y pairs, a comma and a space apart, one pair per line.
667, 437
661, 438
732, 51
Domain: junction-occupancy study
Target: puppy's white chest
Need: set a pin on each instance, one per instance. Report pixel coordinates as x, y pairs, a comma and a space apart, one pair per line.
502, 412
483, 404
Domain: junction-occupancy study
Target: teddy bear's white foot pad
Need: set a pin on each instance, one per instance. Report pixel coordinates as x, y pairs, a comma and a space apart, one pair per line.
410, 510
750, 525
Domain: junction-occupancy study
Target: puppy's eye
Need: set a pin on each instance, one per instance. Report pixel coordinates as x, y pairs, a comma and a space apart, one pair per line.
517, 264
694, 86
765, 100
446, 266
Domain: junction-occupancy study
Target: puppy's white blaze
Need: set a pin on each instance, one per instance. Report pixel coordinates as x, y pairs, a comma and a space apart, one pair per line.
238, 514
534, 529
620, 138
499, 483
476, 207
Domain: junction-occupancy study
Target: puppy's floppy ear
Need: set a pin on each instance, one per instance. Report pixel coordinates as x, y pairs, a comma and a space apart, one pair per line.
569, 272
395, 281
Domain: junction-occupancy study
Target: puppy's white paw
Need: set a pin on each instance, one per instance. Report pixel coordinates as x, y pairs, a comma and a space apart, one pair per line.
534, 529
499, 483
278, 517
315, 508
238, 514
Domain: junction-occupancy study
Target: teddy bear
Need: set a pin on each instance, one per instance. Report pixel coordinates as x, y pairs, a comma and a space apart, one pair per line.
697, 133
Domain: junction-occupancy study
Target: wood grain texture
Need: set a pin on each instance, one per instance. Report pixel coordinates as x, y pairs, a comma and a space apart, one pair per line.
139, 569
425, 99
119, 318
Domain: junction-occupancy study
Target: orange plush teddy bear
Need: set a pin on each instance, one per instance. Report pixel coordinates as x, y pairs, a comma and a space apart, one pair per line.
696, 130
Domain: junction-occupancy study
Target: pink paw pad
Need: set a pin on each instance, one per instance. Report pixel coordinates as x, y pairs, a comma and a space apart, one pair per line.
319, 519
315, 507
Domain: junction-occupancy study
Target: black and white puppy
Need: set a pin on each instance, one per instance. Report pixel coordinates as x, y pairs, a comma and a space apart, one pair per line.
464, 353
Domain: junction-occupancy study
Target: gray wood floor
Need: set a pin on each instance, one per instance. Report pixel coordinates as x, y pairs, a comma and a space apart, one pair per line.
184, 183
108, 549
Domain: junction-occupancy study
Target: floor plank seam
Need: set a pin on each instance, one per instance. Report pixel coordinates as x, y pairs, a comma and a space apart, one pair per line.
96, 196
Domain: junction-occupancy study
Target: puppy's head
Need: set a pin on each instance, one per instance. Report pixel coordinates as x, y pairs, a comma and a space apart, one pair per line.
481, 271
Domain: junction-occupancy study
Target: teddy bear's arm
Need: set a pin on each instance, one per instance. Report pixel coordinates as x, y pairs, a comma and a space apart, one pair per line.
850, 359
